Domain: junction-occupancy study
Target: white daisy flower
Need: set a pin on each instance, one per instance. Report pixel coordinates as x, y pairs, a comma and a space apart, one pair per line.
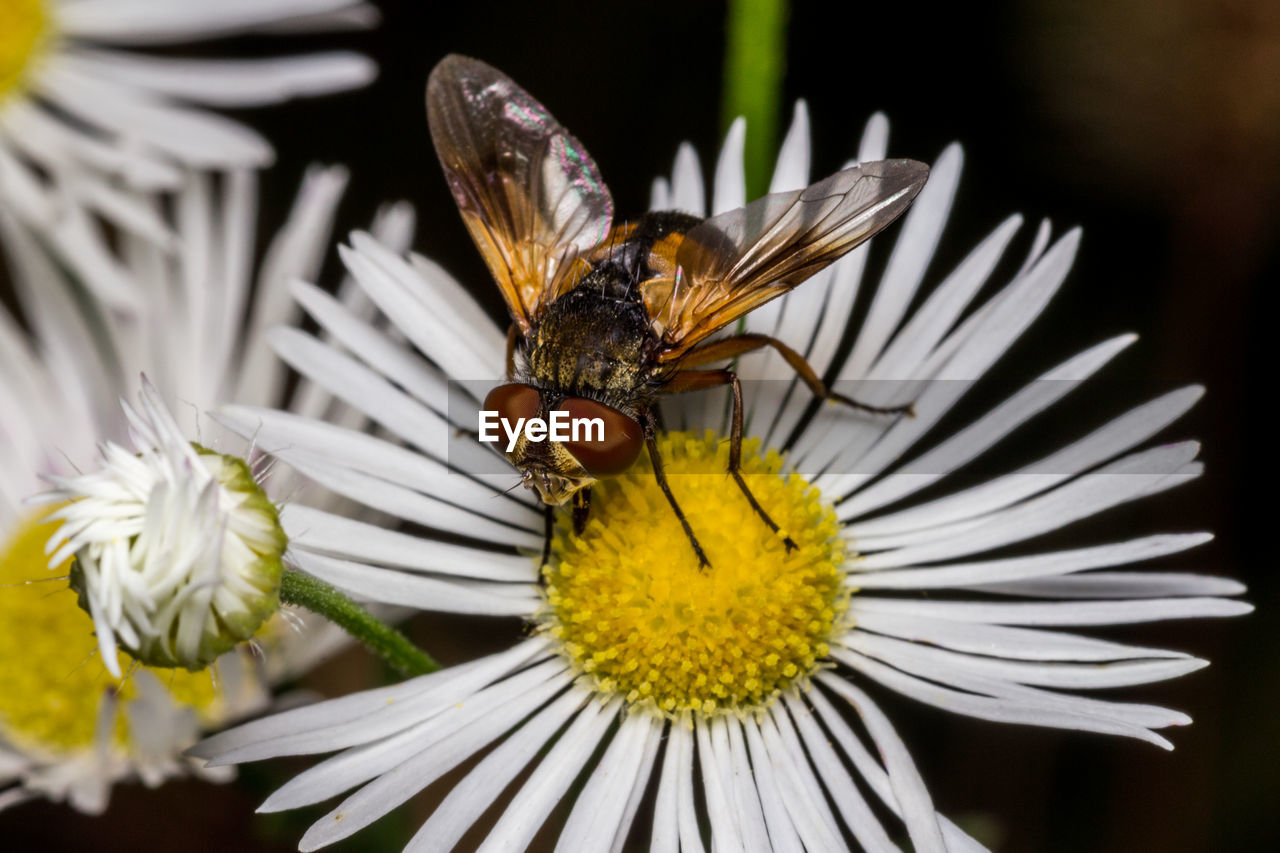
67, 729
83, 117
737, 698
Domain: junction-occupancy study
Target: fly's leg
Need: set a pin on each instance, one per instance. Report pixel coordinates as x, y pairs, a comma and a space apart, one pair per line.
651, 443
699, 380
740, 344
581, 509
548, 523
735, 462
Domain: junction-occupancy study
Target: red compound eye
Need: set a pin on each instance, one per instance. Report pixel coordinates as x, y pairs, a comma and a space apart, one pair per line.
607, 441
514, 401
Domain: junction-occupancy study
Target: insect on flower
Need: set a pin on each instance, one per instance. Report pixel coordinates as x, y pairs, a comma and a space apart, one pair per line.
608, 316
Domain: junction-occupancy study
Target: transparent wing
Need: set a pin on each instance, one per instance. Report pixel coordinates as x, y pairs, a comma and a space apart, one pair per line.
735, 262
528, 192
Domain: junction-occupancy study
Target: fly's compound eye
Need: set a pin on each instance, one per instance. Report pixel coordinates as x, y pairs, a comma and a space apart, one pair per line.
606, 441
514, 401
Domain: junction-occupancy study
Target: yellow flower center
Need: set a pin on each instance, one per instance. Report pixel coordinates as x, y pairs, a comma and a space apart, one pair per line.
633, 612
51, 678
22, 24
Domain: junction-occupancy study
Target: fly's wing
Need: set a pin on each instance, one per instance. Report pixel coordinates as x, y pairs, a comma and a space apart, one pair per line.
733, 263
528, 191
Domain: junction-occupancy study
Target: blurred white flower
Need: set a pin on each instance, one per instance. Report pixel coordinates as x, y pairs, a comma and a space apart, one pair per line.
84, 119
757, 671
67, 730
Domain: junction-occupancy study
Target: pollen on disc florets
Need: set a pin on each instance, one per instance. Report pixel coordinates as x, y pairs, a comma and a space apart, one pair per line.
178, 552
634, 613
23, 23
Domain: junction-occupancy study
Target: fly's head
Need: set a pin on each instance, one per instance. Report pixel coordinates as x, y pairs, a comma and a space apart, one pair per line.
561, 445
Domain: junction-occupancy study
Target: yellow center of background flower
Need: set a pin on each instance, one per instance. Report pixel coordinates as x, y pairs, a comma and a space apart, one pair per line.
51, 678
22, 23
636, 615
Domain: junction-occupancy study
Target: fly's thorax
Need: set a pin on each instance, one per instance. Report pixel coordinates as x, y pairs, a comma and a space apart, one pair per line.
594, 342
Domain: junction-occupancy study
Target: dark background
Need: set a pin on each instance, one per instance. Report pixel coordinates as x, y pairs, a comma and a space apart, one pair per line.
1154, 126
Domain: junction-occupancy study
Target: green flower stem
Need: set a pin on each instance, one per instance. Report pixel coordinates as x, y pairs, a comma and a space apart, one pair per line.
755, 58
384, 641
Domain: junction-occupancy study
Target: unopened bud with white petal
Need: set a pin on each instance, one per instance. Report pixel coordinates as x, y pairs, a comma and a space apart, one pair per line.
178, 552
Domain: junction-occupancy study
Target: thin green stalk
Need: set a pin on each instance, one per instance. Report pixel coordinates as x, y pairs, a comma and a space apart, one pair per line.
380, 638
754, 62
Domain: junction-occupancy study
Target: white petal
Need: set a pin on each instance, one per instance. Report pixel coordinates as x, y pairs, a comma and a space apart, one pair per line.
970, 674
371, 392
782, 832
660, 194
270, 736
908, 788
552, 778
791, 172
846, 273
731, 748
53, 143
1075, 676
1117, 436
423, 315
455, 302
730, 190
361, 763
421, 769
986, 431
854, 811
1041, 566
161, 22
323, 532
383, 495
856, 448
717, 788
72, 362
1127, 479
687, 191
360, 17
926, 328
374, 347
801, 793
918, 237
408, 590
665, 834
296, 251
599, 810
687, 815
653, 740
226, 302
1058, 612
962, 358
1000, 710
230, 82
876, 776
478, 790
444, 297
998, 640
1120, 585
199, 139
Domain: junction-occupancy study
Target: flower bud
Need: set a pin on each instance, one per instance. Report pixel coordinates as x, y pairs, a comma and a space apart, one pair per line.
177, 549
